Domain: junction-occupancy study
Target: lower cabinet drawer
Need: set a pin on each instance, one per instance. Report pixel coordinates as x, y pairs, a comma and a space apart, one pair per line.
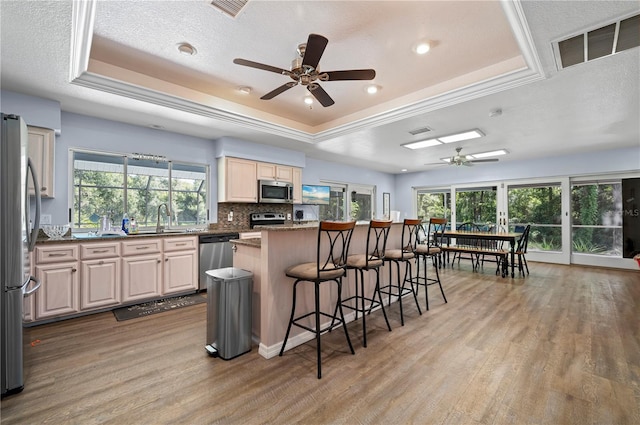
141, 247
99, 250
56, 253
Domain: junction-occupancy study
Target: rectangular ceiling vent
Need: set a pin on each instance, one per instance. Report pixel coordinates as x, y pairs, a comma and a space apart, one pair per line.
229, 7
420, 130
603, 41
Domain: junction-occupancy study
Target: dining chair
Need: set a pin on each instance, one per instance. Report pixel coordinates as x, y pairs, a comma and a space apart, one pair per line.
521, 250
465, 242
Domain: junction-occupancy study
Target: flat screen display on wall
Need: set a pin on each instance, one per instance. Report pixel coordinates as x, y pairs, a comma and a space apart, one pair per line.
315, 195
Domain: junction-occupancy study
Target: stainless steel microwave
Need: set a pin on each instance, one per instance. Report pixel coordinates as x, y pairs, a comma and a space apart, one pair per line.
275, 192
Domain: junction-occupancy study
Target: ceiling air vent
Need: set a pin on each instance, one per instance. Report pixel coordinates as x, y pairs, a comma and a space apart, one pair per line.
229, 7
420, 130
596, 43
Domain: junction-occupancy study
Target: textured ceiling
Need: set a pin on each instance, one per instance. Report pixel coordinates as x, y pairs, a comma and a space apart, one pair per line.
123, 61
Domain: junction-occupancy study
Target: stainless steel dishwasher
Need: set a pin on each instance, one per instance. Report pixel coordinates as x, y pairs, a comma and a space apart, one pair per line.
215, 253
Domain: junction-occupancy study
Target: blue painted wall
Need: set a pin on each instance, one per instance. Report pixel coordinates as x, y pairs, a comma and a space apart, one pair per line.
80, 131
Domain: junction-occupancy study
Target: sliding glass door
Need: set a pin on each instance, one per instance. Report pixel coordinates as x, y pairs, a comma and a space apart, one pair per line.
540, 204
477, 205
573, 220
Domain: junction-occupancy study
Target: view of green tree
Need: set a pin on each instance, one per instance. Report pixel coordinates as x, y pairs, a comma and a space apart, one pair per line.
434, 205
541, 207
99, 190
477, 206
596, 218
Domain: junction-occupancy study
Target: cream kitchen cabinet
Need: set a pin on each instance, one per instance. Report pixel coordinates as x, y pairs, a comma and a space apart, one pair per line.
100, 275
57, 268
297, 185
41, 152
180, 264
141, 269
237, 180
268, 171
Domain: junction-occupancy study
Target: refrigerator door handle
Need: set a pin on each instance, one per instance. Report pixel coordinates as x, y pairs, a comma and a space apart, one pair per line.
32, 234
26, 292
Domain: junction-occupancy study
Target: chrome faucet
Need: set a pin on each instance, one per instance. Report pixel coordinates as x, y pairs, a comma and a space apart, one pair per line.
159, 228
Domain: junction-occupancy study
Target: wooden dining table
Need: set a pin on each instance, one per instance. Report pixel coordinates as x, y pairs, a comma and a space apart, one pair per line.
510, 237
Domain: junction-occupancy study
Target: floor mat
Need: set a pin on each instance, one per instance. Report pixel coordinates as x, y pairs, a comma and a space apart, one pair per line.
157, 306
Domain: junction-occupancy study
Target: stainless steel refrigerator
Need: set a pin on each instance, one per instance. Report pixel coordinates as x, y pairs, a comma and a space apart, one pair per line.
18, 233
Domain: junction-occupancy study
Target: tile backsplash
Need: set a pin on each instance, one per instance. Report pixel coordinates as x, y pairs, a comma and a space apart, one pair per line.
242, 211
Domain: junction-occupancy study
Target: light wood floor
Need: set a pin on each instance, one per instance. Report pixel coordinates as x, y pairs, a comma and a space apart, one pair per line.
561, 346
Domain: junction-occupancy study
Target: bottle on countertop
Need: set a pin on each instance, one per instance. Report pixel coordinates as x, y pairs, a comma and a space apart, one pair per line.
125, 223
133, 227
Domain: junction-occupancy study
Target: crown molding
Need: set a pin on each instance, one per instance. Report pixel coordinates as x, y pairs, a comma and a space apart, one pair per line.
82, 33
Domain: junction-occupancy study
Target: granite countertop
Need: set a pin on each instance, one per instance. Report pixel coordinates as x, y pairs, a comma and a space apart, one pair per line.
253, 242
86, 237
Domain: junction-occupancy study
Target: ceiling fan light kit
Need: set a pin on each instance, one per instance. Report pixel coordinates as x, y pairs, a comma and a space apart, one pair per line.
305, 71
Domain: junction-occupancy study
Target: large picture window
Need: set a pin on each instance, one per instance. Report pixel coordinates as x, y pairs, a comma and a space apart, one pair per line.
110, 184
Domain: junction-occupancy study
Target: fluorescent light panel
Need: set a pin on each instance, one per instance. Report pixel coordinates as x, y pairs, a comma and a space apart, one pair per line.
488, 154
422, 144
467, 135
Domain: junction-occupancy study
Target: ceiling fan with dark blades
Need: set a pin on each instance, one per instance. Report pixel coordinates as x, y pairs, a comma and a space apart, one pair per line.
304, 70
459, 160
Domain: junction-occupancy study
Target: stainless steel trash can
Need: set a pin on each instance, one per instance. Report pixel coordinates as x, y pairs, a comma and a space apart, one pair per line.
229, 293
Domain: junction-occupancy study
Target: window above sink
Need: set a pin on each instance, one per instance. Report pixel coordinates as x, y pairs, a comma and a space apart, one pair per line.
111, 184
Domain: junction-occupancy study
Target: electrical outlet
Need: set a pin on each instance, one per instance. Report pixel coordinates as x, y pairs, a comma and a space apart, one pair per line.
288, 216
230, 216
45, 219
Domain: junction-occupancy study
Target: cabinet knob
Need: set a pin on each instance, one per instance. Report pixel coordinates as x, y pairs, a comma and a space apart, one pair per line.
43, 189
159, 261
73, 270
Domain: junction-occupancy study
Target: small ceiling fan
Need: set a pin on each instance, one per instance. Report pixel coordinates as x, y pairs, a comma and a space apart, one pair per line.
304, 70
459, 160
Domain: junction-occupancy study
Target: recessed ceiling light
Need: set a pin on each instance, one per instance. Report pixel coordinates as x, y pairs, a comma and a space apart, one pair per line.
458, 137
404, 170
187, 49
244, 89
422, 144
487, 154
422, 47
373, 88
308, 100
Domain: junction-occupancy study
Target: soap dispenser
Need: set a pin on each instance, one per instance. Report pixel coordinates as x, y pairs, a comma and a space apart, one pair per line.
125, 223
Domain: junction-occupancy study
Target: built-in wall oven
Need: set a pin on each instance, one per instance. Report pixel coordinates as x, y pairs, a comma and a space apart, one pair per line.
215, 253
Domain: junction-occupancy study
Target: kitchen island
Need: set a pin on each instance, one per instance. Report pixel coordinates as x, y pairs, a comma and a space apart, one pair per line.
268, 257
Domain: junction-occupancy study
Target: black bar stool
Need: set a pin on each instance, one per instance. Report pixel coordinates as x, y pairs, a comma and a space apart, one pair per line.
330, 265
402, 255
431, 249
371, 260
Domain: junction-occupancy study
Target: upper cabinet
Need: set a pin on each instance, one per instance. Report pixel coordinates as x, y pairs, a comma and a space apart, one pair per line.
237, 180
41, 152
267, 171
297, 185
